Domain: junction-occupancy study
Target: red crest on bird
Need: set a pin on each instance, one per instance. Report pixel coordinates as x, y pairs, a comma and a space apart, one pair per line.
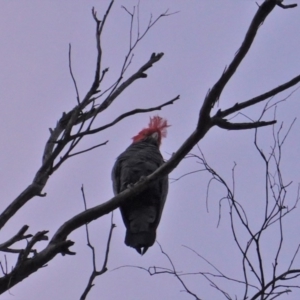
156, 125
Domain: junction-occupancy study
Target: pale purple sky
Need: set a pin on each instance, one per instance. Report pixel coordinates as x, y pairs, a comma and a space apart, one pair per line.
36, 87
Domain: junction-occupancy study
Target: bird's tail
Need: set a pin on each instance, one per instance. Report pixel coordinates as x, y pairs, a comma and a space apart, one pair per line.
141, 241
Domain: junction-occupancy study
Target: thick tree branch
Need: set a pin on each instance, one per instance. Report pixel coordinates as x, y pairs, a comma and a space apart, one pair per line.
214, 95
31, 265
31, 191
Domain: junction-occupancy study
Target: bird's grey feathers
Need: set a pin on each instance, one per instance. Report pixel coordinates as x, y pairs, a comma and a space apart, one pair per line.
141, 214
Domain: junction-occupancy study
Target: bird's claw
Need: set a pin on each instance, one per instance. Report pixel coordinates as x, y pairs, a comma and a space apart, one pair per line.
130, 185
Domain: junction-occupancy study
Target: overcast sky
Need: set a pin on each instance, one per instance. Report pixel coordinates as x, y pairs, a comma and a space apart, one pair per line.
198, 42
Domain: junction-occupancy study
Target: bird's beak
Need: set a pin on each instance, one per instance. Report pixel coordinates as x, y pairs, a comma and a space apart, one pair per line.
155, 135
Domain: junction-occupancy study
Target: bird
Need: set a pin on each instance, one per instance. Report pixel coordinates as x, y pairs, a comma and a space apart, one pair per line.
141, 213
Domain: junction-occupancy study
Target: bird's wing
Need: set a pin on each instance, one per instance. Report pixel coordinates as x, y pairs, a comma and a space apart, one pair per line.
115, 176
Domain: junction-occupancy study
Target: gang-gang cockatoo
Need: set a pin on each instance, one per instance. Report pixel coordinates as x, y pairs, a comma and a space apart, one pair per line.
142, 212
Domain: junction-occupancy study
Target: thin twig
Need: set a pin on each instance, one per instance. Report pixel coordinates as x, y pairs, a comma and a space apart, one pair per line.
72, 75
123, 116
260, 98
95, 273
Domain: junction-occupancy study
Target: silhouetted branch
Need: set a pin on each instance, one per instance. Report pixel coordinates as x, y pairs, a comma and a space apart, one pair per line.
72, 75
68, 154
116, 89
2, 267
95, 273
279, 3
137, 75
160, 270
275, 212
99, 27
258, 99
123, 116
276, 209
16, 238
277, 279
40, 236
222, 123
213, 96
219, 273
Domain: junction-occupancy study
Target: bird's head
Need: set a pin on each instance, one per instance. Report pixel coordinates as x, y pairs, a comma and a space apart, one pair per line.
156, 130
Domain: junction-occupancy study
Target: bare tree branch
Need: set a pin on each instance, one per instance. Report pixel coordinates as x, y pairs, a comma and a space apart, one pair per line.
139, 74
255, 100
213, 96
40, 236
222, 123
279, 3
160, 270
69, 155
95, 273
266, 287
72, 75
123, 116
17, 237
